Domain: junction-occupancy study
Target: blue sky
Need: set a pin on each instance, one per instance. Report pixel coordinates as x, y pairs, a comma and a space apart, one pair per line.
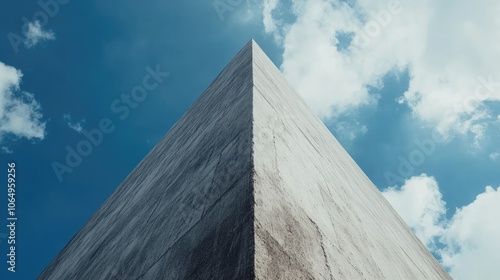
380, 79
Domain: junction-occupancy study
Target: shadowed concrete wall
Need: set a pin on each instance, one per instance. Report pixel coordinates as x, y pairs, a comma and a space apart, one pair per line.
185, 212
248, 184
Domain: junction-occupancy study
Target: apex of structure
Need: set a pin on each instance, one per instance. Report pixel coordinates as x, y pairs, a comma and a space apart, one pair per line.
248, 184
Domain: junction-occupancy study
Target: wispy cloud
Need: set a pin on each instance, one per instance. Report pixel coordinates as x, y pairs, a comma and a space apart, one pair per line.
20, 113
270, 23
348, 130
76, 126
468, 242
6, 150
495, 155
35, 34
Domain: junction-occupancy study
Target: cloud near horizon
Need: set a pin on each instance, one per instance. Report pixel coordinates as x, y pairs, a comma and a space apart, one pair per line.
336, 54
467, 243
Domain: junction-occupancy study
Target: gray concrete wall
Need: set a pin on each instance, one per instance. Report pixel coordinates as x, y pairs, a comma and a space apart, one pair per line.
248, 184
186, 211
317, 215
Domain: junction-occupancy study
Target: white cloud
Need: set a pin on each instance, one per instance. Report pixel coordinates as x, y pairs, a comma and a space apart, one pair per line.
20, 113
76, 126
349, 130
472, 239
451, 52
495, 155
6, 150
270, 24
468, 242
419, 202
35, 34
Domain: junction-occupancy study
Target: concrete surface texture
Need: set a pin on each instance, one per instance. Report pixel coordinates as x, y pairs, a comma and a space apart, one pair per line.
317, 215
248, 184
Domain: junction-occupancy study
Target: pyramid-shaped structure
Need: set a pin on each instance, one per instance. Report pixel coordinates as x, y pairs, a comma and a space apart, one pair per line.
248, 184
